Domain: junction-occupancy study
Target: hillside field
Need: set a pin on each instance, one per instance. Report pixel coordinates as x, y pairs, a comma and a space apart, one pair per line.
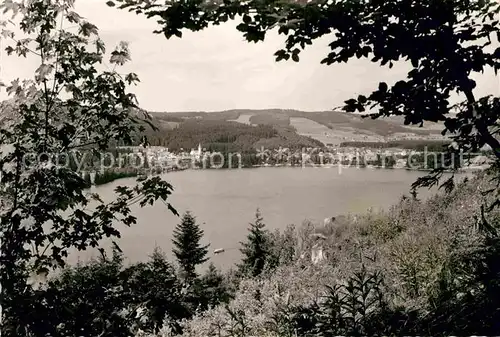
327, 127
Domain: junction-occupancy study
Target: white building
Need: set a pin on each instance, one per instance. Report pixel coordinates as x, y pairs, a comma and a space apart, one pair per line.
196, 153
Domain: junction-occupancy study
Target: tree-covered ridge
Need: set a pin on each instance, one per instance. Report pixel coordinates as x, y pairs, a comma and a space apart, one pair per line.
227, 136
281, 117
176, 129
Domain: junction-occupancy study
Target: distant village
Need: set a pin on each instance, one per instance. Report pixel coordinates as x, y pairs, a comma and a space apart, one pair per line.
159, 156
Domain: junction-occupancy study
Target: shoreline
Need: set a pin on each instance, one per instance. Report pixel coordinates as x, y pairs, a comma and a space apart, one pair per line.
461, 170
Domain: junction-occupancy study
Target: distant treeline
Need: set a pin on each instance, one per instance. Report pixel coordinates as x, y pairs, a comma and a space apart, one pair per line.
228, 136
281, 117
410, 144
167, 117
212, 133
276, 119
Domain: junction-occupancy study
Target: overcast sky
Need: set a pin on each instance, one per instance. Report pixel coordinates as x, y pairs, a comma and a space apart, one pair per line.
216, 69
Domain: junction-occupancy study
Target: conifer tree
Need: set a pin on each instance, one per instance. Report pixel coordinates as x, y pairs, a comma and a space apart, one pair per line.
256, 249
215, 287
187, 248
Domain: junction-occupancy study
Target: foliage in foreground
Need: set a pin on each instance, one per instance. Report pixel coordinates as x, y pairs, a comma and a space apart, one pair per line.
105, 297
69, 104
419, 268
425, 268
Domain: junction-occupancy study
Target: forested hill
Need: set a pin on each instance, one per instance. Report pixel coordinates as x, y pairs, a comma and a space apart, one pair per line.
238, 130
222, 135
282, 117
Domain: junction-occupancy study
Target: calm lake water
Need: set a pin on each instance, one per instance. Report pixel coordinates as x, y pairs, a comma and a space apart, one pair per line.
224, 202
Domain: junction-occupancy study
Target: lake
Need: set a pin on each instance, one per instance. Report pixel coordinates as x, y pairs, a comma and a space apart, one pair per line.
224, 202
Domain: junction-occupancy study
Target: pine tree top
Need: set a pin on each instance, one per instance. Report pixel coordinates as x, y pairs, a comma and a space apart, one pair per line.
187, 248
256, 248
259, 220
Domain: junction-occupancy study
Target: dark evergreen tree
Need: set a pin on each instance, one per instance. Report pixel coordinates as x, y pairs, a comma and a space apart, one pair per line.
187, 248
215, 286
155, 286
207, 291
256, 249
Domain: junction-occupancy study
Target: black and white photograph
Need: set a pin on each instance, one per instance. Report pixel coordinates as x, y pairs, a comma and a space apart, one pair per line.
249, 168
